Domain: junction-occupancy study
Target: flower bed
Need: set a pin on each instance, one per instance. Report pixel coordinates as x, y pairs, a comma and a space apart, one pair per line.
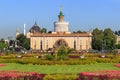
2, 65
15, 75
101, 75
117, 65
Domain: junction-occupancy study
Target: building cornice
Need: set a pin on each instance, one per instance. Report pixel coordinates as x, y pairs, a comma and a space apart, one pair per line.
62, 35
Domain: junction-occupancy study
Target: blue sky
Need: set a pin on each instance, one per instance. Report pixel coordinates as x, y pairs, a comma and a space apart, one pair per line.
81, 14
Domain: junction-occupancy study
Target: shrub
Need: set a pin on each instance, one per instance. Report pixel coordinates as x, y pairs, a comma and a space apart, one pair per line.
49, 57
62, 50
92, 55
60, 77
10, 56
73, 56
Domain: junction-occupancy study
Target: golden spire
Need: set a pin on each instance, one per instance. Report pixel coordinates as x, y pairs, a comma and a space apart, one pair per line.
17, 30
61, 16
61, 8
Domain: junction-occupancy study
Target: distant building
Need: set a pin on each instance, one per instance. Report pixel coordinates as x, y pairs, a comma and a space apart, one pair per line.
61, 35
33, 30
118, 39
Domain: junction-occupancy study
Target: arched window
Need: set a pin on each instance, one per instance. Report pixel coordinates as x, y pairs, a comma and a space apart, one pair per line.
86, 44
60, 42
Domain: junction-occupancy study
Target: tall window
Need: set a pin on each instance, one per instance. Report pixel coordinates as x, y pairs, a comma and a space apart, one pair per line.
35, 44
47, 44
74, 44
86, 44
80, 44
41, 45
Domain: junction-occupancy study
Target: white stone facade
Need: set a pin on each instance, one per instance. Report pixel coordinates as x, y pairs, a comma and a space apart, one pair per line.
61, 26
45, 41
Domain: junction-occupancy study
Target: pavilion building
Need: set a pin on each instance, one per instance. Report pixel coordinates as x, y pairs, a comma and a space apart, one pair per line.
61, 35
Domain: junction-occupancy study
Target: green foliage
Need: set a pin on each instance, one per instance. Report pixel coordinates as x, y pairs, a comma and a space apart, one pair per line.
24, 42
97, 39
79, 31
110, 39
3, 47
49, 57
43, 30
118, 46
103, 39
8, 57
62, 51
50, 60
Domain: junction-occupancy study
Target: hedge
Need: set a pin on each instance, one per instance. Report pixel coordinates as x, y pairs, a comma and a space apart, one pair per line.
60, 77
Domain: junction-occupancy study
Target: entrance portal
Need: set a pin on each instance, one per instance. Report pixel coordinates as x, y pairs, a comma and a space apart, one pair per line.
60, 42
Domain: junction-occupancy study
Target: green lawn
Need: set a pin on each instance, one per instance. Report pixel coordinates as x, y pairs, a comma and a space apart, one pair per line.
65, 69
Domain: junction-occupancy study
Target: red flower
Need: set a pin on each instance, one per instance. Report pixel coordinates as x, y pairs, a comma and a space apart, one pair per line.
101, 75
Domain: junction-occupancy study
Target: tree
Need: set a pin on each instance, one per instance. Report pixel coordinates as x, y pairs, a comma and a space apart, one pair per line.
2, 40
103, 39
109, 38
43, 30
50, 32
118, 46
62, 52
3, 46
79, 31
26, 44
23, 41
97, 39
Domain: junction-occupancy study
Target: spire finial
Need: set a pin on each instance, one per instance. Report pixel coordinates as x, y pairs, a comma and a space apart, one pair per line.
61, 8
61, 14
35, 23
17, 30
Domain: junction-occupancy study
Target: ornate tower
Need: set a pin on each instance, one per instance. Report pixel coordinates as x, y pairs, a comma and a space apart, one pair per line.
61, 16
61, 25
17, 32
